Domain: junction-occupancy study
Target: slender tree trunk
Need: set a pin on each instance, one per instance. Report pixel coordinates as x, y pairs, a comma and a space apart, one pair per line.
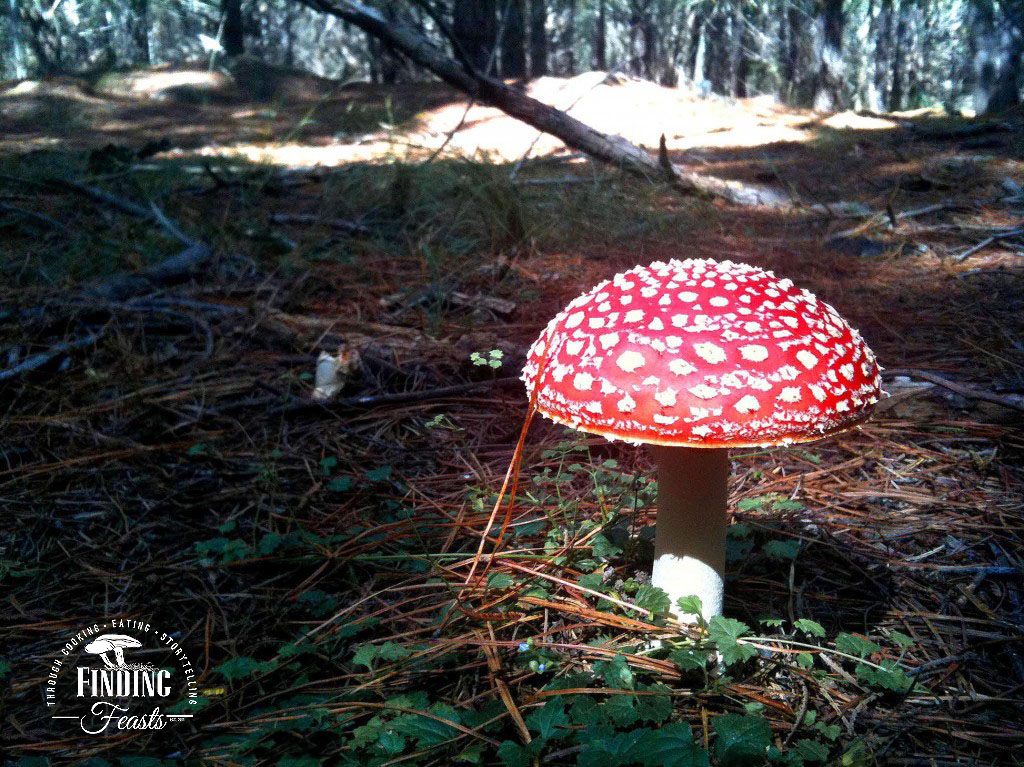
538, 38
828, 91
600, 39
569, 40
17, 46
513, 42
881, 33
736, 31
997, 49
233, 37
138, 25
899, 55
475, 26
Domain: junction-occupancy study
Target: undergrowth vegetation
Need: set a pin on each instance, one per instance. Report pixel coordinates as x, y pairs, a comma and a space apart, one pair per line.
321, 562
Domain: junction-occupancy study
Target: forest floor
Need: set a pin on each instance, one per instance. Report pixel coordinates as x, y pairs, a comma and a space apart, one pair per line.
170, 465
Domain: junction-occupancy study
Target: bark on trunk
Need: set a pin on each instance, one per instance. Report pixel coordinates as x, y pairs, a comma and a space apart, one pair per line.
233, 37
538, 38
475, 26
998, 49
513, 43
828, 92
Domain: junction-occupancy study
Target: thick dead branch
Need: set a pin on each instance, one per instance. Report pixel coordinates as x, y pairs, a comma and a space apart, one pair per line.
38, 360
964, 390
613, 150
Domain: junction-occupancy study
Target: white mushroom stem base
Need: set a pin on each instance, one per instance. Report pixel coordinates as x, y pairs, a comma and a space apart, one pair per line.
689, 539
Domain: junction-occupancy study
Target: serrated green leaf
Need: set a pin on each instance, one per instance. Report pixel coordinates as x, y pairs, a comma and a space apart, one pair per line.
500, 581
653, 598
514, 755
244, 666
390, 742
340, 484
806, 625
615, 673
548, 720
473, 753
621, 710
724, 632
425, 730
689, 659
654, 708
742, 741
393, 651
804, 660
828, 731
890, 676
812, 750
365, 655
786, 504
781, 550
855, 645
602, 548
901, 640
672, 746
690, 605
614, 751
379, 474
750, 504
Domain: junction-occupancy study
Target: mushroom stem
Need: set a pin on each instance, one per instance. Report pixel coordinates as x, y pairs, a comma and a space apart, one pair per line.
689, 540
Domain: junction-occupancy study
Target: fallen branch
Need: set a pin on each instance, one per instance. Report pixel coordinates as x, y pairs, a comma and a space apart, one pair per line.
195, 254
613, 150
38, 360
342, 225
964, 390
402, 398
988, 241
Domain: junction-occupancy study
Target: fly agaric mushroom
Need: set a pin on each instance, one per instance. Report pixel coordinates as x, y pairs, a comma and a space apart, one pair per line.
115, 643
694, 357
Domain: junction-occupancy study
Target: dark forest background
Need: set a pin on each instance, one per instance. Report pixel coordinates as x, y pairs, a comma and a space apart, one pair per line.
878, 55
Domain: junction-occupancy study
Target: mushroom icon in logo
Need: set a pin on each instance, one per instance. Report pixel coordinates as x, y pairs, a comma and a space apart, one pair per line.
115, 643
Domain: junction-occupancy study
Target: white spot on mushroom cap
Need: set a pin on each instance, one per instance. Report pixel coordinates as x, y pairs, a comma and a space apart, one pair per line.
754, 352
790, 394
703, 391
608, 340
627, 404
806, 359
681, 367
630, 360
583, 381
574, 320
709, 352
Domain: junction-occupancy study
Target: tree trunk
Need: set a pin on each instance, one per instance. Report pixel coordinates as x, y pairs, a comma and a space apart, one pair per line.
17, 46
513, 41
899, 55
538, 38
881, 32
997, 58
569, 41
736, 32
138, 28
233, 36
600, 37
475, 26
828, 91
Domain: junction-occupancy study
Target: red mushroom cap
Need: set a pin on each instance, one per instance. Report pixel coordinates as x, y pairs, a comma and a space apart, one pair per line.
703, 354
